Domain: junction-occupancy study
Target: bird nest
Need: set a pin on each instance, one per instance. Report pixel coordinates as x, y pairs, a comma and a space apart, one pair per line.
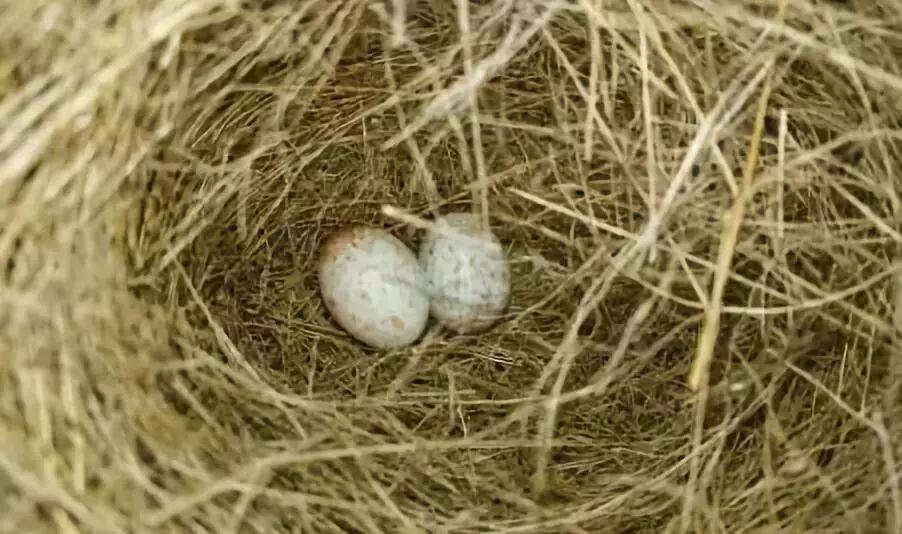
700, 202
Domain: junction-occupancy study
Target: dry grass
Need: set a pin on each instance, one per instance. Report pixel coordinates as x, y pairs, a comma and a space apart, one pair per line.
701, 202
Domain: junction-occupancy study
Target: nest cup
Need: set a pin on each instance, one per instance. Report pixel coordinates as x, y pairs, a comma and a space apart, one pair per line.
168, 172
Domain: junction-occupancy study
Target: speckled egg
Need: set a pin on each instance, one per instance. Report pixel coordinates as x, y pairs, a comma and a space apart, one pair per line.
372, 285
466, 272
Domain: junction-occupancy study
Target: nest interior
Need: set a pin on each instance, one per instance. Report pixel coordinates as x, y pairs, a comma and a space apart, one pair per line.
673, 182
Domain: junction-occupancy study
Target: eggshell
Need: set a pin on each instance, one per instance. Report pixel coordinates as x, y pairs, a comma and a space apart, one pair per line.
466, 272
372, 285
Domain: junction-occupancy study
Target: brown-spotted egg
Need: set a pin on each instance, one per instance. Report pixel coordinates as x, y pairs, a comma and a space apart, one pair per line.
372, 286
